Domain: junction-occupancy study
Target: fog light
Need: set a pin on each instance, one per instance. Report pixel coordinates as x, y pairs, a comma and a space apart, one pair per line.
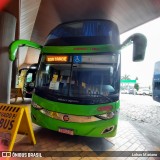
33, 117
107, 130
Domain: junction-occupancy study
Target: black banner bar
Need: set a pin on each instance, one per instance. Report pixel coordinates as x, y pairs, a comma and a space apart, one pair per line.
80, 154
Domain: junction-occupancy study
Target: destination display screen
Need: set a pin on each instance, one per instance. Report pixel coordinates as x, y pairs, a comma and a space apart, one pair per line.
53, 58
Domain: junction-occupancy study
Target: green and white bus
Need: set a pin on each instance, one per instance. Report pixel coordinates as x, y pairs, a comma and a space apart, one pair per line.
78, 79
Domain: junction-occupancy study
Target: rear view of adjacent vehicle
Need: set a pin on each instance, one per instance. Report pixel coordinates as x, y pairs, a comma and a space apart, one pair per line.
156, 82
29, 81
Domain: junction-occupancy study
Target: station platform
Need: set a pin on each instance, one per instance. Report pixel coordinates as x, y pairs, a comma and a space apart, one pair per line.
128, 144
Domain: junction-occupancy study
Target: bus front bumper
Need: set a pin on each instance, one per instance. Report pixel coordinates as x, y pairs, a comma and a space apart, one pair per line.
101, 128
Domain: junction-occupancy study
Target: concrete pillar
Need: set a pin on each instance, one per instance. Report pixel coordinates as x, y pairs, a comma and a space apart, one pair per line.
7, 35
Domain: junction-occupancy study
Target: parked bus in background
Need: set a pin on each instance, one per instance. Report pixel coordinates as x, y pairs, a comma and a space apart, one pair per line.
156, 82
21, 77
78, 79
30, 81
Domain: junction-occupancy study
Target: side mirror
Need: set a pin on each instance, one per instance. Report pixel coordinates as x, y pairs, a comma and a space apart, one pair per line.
21, 43
139, 46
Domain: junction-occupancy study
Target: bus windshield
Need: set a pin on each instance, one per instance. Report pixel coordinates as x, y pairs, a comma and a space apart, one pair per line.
79, 80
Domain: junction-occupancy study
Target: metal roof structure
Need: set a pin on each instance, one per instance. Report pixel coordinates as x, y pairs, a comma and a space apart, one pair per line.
36, 18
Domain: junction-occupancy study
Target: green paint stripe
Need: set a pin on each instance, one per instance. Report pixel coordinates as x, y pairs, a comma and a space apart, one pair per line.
80, 49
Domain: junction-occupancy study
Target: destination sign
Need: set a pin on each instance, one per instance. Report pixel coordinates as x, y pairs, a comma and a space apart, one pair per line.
57, 58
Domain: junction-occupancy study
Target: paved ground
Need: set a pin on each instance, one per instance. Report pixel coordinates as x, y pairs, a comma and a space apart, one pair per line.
140, 108
144, 113
128, 138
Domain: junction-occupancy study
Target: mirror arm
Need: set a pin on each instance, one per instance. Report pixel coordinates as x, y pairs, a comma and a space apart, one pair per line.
21, 43
135, 38
139, 42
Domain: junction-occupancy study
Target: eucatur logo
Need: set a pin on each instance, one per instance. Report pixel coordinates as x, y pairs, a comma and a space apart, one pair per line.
66, 117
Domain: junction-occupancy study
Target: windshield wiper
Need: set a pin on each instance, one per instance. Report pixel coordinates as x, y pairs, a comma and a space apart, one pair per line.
105, 97
97, 97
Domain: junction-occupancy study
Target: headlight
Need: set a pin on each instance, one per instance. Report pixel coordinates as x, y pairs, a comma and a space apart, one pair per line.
105, 116
31, 84
36, 106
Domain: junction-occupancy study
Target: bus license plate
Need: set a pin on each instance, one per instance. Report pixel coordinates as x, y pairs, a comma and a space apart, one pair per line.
66, 131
